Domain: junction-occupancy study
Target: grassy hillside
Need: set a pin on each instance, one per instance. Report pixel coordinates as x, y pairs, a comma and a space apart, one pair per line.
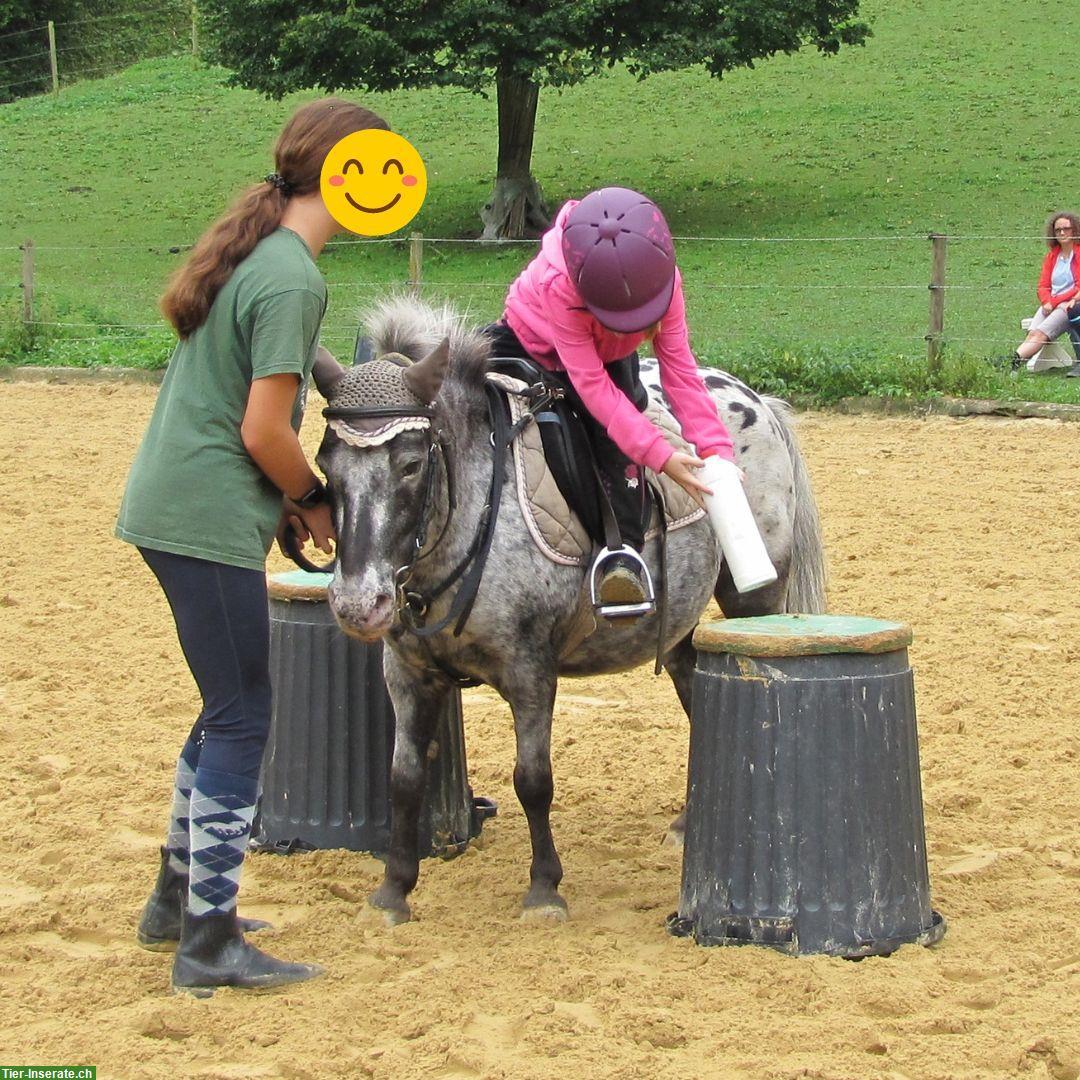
941, 123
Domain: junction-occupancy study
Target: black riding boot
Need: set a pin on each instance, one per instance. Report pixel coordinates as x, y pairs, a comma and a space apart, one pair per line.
159, 927
212, 953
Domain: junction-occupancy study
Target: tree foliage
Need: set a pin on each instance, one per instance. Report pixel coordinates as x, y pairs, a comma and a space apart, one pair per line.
278, 46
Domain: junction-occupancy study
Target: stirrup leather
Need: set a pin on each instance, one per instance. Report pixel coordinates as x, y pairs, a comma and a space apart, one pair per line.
646, 607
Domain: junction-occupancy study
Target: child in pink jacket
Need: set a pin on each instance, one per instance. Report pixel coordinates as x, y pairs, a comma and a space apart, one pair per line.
604, 281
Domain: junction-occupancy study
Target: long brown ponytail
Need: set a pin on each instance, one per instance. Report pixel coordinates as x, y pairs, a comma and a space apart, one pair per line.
298, 156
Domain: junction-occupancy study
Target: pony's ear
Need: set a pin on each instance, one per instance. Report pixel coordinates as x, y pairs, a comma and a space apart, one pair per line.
425, 378
327, 373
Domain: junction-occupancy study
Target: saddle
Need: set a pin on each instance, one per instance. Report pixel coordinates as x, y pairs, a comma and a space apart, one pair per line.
558, 490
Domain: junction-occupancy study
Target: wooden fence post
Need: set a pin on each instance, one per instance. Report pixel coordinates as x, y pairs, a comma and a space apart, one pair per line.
52, 59
416, 262
937, 306
27, 248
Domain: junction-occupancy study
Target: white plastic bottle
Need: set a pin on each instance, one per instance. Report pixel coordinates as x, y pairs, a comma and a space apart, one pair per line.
734, 525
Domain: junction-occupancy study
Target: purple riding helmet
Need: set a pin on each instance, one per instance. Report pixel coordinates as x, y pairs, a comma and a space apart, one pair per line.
619, 255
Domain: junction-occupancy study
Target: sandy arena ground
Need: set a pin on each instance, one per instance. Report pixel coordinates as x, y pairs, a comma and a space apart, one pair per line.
966, 529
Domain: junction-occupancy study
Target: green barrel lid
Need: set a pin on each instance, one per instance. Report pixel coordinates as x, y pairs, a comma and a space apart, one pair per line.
298, 585
801, 635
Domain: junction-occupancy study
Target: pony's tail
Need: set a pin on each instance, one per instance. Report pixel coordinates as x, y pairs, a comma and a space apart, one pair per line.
806, 581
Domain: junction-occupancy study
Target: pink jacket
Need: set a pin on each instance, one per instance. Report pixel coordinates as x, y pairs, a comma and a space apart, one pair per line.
550, 319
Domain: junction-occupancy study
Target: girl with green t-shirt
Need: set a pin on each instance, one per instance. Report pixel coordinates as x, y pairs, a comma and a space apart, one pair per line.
219, 472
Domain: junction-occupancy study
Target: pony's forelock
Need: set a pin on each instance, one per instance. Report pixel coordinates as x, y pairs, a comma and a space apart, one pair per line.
405, 325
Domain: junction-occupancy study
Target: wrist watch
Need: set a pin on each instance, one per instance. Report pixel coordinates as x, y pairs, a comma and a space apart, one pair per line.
315, 497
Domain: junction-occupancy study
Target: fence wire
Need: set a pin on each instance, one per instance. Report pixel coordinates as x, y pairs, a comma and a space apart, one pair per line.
809, 312
153, 32
494, 245
19, 33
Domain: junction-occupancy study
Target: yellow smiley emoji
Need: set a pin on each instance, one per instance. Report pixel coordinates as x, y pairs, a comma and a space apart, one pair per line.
373, 182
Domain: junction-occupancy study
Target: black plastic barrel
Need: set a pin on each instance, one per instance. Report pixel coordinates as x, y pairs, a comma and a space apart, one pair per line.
804, 817
326, 769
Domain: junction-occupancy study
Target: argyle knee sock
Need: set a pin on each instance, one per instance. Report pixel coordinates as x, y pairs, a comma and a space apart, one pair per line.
222, 806
176, 842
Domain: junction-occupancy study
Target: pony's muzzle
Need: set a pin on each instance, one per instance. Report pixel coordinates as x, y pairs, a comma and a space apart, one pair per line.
366, 616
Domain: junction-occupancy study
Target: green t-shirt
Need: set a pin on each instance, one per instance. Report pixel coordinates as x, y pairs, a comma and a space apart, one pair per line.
193, 488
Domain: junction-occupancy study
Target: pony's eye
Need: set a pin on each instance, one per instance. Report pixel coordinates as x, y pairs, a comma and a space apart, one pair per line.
412, 469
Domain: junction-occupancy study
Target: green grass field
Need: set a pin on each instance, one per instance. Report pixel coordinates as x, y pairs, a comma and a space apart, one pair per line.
816, 181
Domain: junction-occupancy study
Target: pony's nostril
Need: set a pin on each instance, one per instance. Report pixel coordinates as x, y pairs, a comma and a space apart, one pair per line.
359, 608
371, 612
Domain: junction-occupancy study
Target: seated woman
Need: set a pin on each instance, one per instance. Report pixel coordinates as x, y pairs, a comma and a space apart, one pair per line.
1059, 286
604, 282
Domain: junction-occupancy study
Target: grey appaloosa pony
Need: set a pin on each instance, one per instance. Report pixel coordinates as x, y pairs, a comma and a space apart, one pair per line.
408, 455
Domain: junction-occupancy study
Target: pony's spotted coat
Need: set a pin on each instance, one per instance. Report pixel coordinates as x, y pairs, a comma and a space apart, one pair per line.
525, 628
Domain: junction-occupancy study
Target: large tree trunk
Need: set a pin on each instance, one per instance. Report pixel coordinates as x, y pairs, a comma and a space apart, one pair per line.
516, 208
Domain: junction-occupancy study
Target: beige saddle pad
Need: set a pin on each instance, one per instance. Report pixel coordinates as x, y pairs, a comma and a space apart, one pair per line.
557, 532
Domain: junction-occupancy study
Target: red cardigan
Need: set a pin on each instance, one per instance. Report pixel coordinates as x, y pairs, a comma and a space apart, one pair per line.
1045, 296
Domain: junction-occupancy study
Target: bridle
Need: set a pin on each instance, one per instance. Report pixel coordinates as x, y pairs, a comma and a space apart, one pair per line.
411, 603
436, 450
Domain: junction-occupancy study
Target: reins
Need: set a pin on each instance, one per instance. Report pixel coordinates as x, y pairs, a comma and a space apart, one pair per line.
414, 605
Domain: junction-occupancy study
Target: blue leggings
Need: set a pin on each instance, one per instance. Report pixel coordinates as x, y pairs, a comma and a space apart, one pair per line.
223, 623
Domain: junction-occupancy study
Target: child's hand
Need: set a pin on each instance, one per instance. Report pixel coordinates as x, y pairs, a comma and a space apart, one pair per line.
682, 468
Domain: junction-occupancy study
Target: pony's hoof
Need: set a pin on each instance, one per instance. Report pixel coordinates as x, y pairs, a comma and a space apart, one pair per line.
376, 918
395, 916
673, 838
550, 911
394, 912
676, 833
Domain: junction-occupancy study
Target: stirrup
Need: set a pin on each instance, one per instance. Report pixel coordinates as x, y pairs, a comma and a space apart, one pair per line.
614, 611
